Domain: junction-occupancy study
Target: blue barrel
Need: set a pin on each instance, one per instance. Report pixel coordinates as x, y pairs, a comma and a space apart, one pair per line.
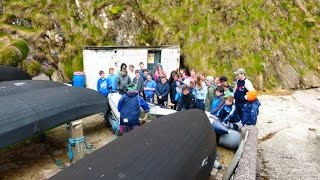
79, 79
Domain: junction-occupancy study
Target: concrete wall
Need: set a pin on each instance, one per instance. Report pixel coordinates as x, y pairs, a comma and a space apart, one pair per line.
102, 59
247, 166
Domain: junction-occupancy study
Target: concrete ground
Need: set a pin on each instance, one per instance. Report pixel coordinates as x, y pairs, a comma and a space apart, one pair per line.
289, 136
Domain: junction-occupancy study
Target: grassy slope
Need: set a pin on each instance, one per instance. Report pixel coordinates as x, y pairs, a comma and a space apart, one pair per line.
216, 36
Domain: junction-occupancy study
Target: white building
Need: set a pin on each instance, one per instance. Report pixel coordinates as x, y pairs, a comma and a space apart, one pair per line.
103, 58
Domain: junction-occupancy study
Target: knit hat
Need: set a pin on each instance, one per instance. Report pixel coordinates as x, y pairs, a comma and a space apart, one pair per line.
252, 95
131, 87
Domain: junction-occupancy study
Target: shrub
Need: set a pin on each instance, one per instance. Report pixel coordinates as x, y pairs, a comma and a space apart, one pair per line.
10, 56
22, 45
34, 68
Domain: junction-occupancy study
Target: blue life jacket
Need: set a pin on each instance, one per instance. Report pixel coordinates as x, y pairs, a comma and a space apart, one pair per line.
102, 86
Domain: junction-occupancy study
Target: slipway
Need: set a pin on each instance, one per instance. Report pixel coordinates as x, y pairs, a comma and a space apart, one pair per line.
8, 73
26, 114
21, 86
177, 146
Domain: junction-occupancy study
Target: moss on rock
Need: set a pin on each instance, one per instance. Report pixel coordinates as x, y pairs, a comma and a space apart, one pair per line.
34, 68
22, 45
10, 56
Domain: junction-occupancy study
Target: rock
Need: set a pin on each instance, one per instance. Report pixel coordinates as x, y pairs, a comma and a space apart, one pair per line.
41, 76
12, 19
310, 80
56, 76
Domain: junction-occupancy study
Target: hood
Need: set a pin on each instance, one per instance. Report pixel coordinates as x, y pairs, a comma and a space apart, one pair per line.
132, 93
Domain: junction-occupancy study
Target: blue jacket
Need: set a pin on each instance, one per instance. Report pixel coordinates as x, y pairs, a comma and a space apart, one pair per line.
173, 91
102, 86
217, 103
250, 113
129, 108
228, 114
149, 84
163, 90
142, 74
112, 82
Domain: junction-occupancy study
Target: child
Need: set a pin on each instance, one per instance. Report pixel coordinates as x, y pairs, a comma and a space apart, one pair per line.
200, 92
129, 108
141, 71
187, 100
162, 91
131, 72
218, 101
102, 85
138, 81
228, 114
149, 88
112, 81
226, 87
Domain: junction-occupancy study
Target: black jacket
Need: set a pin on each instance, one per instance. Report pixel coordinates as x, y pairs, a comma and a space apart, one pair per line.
187, 102
139, 83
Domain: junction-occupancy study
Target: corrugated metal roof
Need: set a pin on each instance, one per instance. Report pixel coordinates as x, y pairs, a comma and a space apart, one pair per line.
130, 47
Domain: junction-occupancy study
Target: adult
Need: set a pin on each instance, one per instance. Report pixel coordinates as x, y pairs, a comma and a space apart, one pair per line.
243, 85
159, 72
123, 81
129, 108
131, 72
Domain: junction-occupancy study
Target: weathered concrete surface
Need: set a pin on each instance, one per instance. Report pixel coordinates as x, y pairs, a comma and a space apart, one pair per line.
247, 165
289, 143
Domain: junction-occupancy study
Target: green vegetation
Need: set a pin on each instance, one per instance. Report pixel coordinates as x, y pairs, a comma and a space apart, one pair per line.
215, 36
34, 68
22, 45
10, 56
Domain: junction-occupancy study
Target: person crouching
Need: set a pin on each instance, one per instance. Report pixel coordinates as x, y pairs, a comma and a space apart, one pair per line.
129, 108
228, 114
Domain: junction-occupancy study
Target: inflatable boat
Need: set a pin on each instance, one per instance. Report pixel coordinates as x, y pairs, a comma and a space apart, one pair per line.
26, 114
112, 115
162, 149
9, 73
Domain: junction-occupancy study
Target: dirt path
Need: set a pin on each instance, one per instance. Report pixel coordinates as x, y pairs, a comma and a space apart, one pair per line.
289, 136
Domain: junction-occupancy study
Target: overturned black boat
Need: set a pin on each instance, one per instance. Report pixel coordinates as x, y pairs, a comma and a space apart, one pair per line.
178, 146
22, 86
8, 73
29, 113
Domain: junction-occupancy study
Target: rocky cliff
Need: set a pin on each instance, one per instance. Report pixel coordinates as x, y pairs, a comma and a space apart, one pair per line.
276, 41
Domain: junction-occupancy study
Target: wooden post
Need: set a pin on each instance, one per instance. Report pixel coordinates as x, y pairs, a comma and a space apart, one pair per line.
76, 132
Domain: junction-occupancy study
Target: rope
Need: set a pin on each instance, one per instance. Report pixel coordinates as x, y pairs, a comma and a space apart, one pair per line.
72, 142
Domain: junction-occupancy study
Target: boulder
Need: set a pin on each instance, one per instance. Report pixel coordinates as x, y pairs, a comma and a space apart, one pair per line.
41, 76
56, 76
310, 80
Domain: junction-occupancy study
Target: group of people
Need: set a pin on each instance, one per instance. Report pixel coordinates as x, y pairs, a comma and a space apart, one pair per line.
233, 106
